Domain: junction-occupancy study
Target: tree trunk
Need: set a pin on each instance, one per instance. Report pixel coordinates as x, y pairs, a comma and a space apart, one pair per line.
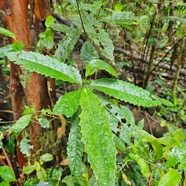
26, 24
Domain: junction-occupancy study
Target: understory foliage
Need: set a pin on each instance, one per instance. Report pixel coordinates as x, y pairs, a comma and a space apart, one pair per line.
105, 147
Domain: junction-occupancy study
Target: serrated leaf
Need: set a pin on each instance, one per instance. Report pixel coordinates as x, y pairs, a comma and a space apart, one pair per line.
49, 21
142, 163
4, 50
126, 92
66, 45
97, 138
7, 174
25, 147
68, 104
7, 32
172, 177
75, 148
99, 64
62, 28
107, 44
45, 65
21, 124
46, 157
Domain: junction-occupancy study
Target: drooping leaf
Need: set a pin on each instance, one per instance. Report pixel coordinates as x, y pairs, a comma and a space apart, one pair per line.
66, 45
21, 124
25, 147
99, 64
126, 92
172, 177
142, 163
97, 138
45, 65
7, 174
107, 44
68, 104
75, 148
88, 52
7, 32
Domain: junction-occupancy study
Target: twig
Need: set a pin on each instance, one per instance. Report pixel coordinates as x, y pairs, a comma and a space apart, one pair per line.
7, 158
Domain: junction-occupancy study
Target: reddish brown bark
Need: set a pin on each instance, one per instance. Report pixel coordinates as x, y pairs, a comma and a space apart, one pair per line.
17, 22
41, 9
17, 15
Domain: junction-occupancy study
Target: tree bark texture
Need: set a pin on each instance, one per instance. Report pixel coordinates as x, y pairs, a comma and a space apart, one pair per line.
26, 24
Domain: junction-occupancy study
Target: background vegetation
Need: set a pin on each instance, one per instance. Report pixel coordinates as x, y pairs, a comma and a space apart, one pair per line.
93, 93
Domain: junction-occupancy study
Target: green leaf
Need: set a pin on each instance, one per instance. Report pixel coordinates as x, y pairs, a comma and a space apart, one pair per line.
119, 143
25, 147
126, 92
158, 148
68, 104
73, 2
107, 44
171, 139
45, 123
49, 21
142, 163
46, 65
5, 183
88, 52
97, 138
21, 124
66, 45
172, 177
28, 169
46, 157
10, 145
94, 64
4, 50
7, 174
75, 148
62, 28
17, 46
7, 32
176, 155
46, 39
41, 174
121, 113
